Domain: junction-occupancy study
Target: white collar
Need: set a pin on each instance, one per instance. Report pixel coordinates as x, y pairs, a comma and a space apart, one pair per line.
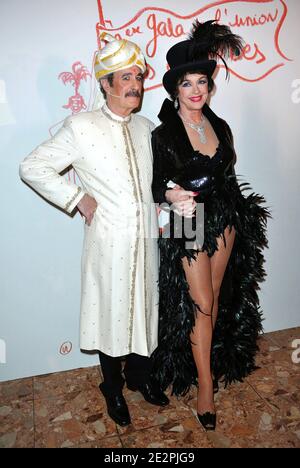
111, 115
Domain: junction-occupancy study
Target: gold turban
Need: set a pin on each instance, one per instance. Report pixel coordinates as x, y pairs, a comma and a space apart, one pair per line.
117, 55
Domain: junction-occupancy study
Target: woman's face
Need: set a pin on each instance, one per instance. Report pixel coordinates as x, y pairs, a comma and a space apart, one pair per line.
193, 91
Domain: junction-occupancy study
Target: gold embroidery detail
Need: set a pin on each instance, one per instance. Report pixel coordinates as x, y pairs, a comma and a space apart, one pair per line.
145, 251
72, 199
137, 196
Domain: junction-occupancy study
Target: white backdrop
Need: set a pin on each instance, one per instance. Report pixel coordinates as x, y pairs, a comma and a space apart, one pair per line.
41, 246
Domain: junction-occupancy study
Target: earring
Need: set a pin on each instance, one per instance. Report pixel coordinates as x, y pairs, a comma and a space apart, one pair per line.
176, 104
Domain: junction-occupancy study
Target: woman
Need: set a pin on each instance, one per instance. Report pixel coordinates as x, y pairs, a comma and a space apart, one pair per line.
209, 313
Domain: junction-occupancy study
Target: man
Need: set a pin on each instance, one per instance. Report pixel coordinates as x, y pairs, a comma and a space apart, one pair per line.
110, 150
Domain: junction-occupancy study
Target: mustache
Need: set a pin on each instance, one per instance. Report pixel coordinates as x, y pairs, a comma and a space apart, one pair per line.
133, 93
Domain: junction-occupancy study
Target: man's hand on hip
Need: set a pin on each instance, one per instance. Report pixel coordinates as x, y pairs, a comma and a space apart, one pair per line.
87, 207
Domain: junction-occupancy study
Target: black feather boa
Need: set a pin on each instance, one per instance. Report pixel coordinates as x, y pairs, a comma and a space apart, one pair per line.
239, 317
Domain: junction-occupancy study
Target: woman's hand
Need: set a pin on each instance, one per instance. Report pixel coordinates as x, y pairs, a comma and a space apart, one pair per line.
182, 201
87, 207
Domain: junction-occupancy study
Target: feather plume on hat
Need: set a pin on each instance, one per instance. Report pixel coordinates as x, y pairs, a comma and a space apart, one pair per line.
213, 40
206, 43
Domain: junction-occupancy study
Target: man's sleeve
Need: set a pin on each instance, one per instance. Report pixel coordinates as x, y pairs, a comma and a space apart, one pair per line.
41, 169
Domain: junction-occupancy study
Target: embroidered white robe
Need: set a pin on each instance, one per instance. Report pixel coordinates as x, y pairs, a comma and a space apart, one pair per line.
113, 159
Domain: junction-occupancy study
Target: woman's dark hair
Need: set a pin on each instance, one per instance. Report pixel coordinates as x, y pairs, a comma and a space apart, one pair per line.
110, 79
174, 92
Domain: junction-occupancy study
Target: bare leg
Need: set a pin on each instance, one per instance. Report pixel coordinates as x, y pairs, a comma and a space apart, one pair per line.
218, 266
198, 276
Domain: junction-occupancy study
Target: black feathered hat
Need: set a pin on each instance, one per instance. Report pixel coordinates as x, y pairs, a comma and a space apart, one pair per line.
207, 42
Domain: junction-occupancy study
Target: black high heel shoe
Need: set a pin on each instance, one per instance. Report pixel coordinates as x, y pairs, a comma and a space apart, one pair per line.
208, 420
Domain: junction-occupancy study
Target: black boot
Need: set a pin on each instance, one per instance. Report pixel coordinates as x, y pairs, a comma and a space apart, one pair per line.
151, 392
116, 407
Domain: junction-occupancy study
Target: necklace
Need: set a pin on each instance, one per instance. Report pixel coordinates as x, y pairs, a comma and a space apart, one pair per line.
199, 128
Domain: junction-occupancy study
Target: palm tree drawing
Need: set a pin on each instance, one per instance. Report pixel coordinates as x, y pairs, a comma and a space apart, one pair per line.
79, 72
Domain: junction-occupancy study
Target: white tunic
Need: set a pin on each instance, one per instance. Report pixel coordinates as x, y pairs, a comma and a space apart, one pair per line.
113, 159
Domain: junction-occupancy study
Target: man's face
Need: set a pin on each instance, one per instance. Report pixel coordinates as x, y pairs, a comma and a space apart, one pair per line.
126, 91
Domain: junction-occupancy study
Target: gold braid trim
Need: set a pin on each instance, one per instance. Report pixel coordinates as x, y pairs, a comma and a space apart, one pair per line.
126, 136
72, 199
145, 246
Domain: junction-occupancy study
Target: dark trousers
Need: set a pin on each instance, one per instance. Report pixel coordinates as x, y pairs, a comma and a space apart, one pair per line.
137, 371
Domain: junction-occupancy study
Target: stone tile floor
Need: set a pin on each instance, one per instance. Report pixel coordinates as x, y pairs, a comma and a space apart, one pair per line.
66, 409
